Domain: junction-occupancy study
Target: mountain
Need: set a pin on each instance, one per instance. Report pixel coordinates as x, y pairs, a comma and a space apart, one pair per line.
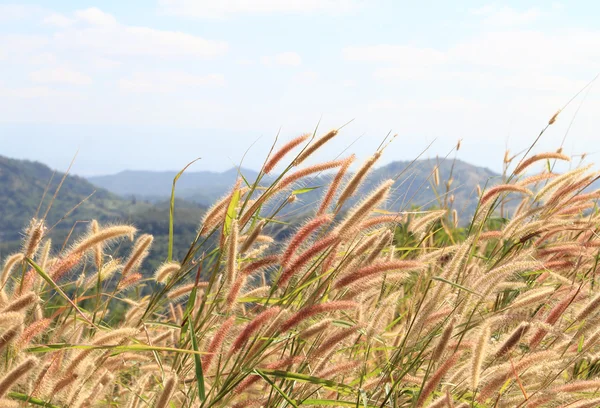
412, 187
22, 187
202, 187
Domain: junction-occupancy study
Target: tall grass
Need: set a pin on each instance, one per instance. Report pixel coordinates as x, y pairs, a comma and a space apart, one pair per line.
356, 309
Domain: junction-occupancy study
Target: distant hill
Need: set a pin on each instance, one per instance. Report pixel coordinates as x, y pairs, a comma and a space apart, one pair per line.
22, 186
412, 187
202, 187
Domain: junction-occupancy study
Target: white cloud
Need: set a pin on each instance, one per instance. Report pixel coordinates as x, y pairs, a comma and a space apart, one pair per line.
95, 16
306, 77
17, 45
17, 11
168, 81
224, 8
520, 59
60, 75
284, 58
494, 15
131, 40
394, 53
58, 20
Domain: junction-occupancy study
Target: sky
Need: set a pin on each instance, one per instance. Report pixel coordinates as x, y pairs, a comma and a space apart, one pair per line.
154, 84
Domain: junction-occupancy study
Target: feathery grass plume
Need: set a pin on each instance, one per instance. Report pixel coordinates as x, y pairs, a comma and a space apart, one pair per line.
165, 271
553, 316
177, 293
129, 281
16, 373
479, 354
589, 308
232, 253
301, 236
419, 225
312, 310
31, 331
104, 236
10, 334
334, 185
217, 341
33, 234
502, 373
575, 209
443, 341
138, 254
260, 264
360, 248
364, 208
386, 238
382, 219
568, 189
536, 179
234, 290
587, 403
314, 146
317, 168
454, 218
582, 385
377, 268
542, 156
553, 118
503, 188
305, 257
167, 392
22, 302
100, 340
65, 265
436, 175
285, 149
485, 284
437, 376
252, 326
64, 382
340, 368
106, 272
8, 319
315, 329
332, 341
357, 179
9, 264
561, 180
256, 292
252, 237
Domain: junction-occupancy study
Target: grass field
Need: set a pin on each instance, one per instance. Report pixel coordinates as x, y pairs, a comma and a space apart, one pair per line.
362, 307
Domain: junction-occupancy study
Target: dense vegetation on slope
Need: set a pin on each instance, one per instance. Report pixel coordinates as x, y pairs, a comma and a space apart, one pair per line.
22, 187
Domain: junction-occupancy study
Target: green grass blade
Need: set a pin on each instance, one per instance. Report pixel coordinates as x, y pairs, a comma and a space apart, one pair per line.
456, 285
328, 384
198, 363
31, 400
231, 212
304, 190
49, 348
336, 403
279, 390
172, 210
